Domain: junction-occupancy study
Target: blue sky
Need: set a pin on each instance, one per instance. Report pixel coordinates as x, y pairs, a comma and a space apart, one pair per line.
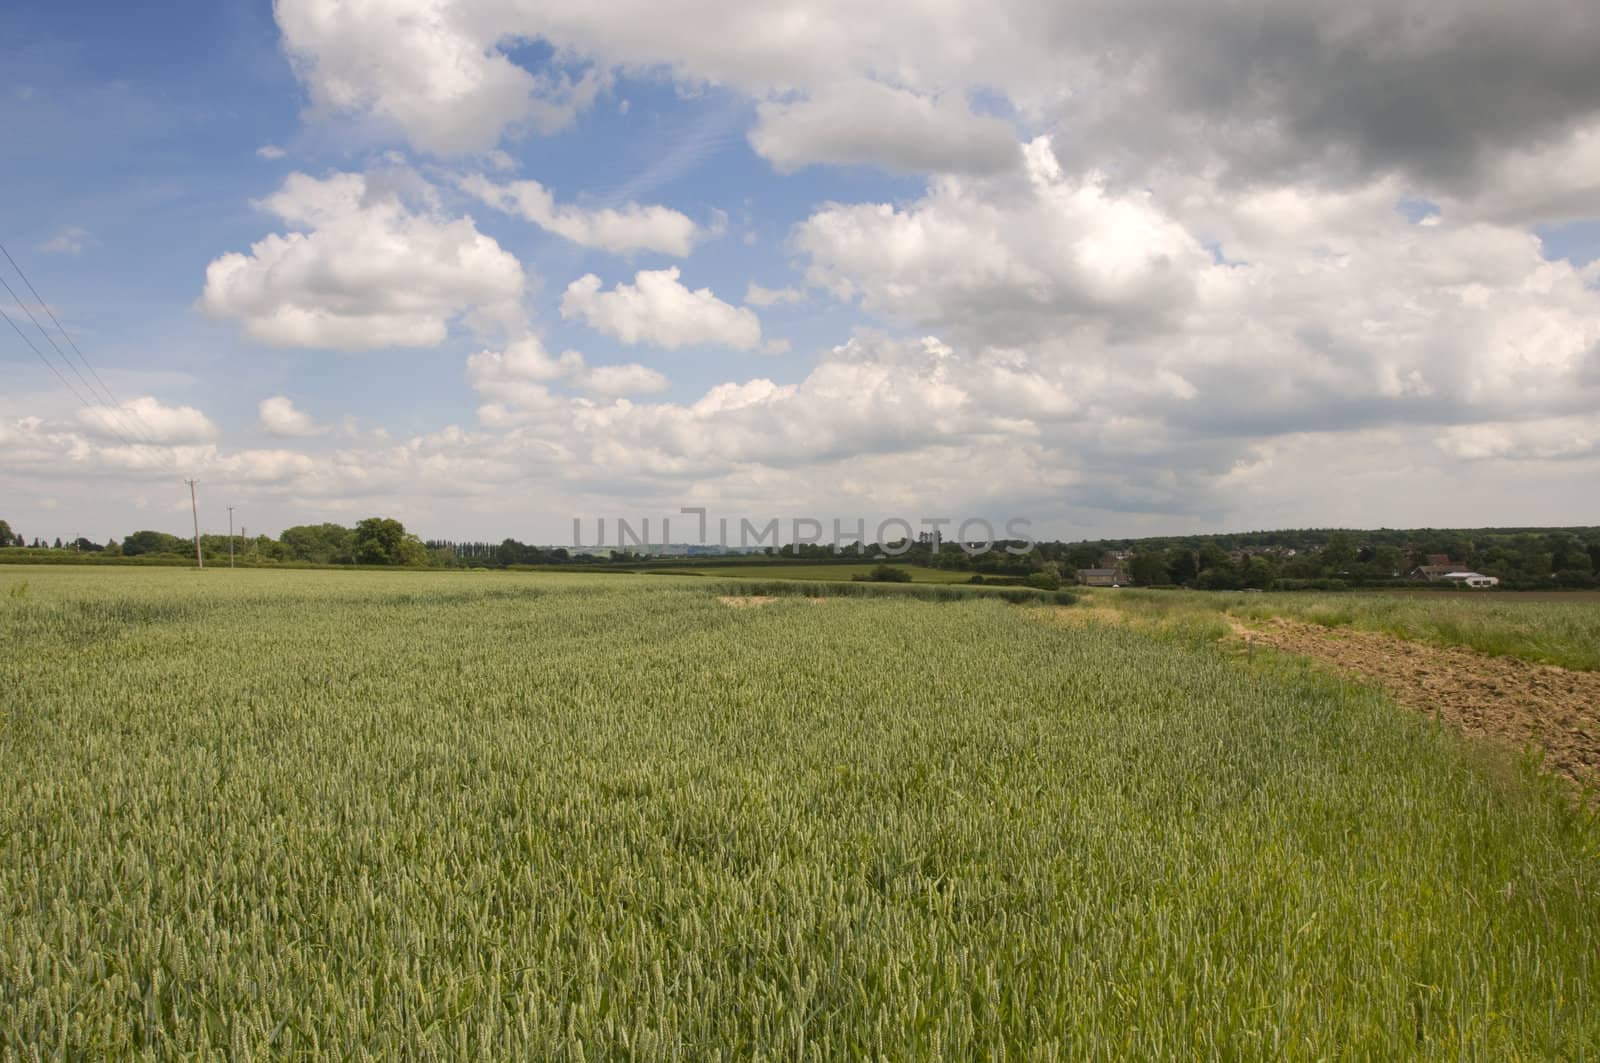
1006, 275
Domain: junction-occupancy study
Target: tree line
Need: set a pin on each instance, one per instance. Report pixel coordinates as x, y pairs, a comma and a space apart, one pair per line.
1308, 558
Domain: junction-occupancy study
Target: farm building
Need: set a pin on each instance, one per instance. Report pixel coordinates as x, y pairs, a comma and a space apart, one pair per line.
1471, 579
1433, 572
1101, 577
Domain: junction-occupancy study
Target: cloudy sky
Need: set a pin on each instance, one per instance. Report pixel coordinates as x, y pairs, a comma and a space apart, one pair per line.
1121, 268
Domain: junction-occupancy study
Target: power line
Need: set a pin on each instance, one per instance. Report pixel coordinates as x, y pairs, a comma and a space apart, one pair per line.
113, 402
111, 410
135, 431
47, 362
59, 327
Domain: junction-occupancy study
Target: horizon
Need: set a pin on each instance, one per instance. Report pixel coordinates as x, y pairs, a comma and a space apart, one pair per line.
499, 268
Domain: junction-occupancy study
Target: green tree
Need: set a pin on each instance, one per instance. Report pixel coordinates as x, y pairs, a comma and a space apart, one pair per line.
151, 542
885, 574
1083, 555
1339, 554
385, 541
1148, 568
5, 534
321, 544
1214, 558
1182, 568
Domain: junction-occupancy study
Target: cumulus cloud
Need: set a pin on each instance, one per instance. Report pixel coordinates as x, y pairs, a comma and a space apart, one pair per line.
1330, 90
1182, 263
270, 152
658, 309
756, 295
364, 268
431, 71
147, 420
1008, 260
520, 377
612, 381
863, 122
622, 231
279, 417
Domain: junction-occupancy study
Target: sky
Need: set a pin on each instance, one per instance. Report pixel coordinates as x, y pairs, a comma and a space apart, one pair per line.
1115, 268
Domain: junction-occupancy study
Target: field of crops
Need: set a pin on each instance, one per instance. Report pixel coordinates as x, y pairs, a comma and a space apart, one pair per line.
1560, 629
823, 572
512, 815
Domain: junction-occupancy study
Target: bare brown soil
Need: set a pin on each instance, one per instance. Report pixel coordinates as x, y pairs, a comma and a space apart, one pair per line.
1501, 698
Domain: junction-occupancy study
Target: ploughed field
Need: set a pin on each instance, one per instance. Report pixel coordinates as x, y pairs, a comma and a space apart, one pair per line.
546, 816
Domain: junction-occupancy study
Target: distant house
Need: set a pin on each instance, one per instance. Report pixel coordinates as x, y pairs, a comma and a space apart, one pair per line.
1471, 579
1438, 567
1101, 577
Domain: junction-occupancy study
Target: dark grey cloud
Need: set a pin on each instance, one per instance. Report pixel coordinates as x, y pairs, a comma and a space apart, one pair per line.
1328, 91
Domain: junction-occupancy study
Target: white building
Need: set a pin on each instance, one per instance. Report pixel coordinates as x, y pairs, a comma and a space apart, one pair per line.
1471, 579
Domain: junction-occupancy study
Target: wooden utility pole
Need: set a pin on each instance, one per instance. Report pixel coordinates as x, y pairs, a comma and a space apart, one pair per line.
230, 536
199, 561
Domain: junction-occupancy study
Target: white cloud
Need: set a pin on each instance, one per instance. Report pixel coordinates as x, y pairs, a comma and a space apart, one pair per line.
147, 420
68, 241
867, 123
1007, 259
270, 152
369, 271
658, 309
611, 381
1552, 439
1335, 89
430, 70
756, 295
621, 231
280, 417
521, 376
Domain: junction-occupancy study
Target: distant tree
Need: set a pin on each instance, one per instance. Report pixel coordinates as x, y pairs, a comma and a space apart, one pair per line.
152, 542
6, 536
322, 544
57, 546
1148, 568
86, 546
1258, 572
1214, 558
385, 541
1045, 581
886, 574
1182, 567
1339, 555
1567, 554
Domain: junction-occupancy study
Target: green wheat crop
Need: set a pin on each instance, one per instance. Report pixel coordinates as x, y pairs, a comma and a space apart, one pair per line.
508, 815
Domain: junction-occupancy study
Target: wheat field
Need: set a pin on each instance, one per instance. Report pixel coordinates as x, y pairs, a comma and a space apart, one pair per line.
508, 815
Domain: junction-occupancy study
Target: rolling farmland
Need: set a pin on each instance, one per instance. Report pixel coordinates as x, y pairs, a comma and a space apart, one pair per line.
577, 817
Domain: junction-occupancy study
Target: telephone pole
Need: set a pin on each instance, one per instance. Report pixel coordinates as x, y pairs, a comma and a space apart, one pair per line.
230, 536
199, 561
